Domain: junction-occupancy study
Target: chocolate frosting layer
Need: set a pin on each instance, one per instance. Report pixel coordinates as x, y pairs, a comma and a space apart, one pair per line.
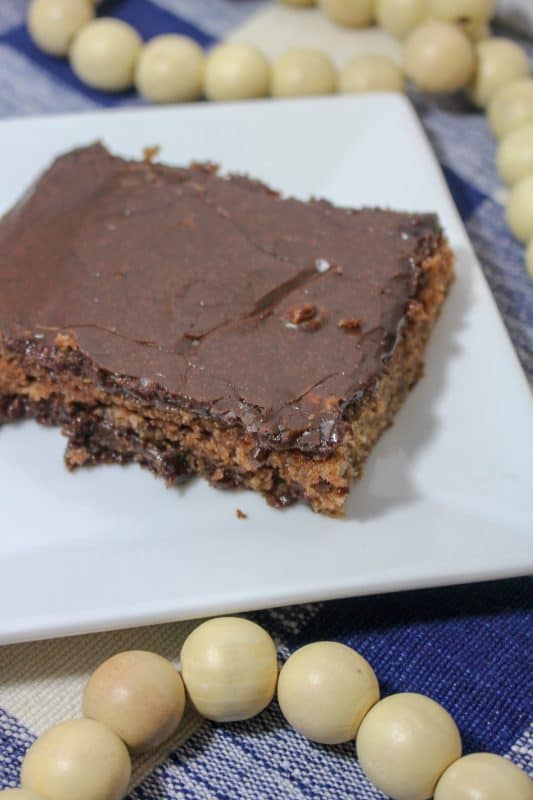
212, 292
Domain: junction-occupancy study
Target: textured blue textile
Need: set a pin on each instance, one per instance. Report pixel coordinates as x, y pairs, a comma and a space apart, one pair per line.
467, 197
14, 741
468, 647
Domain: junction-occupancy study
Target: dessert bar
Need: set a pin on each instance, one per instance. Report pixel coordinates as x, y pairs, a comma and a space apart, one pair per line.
197, 323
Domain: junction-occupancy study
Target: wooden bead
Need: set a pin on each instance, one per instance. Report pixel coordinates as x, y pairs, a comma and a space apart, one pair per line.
349, 13
229, 666
511, 107
400, 17
236, 71
499, 61
138, 695
371, 73
170, 69
484, 776
515, 154
438, 57
458, 10
52, 24
405, 743
476, 31
303, 71
324, 691
104, 54
519, 210
79, 759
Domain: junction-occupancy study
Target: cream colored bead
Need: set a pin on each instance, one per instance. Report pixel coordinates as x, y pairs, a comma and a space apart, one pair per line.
499, 61
52, 24
405, 743
138, 695
303, 71
457, 10
484, 776
79, 759
170, 69
400, 17
324, 691
520, 209
298, 3
19, 794
236, 71
104, 54
349, 13
476, 31
229, 666
511, 107
515, 154
371, 73
438, 57
529, 258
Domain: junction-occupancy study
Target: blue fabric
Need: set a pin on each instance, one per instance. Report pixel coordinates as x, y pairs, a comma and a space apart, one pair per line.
468, 647
467, 197
14, 741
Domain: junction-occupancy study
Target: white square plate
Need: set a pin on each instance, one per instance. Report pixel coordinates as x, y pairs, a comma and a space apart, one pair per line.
447, 493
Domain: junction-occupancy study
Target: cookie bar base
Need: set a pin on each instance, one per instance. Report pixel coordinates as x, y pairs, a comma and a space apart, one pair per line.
105, 427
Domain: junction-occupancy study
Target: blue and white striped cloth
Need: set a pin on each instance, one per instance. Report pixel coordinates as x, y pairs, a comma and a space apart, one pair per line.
468, 647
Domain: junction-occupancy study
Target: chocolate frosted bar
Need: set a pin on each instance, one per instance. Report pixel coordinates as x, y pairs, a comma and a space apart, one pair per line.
200, 324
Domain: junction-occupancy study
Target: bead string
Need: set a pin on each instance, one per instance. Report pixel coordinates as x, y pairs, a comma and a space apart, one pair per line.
407, 744
447, 48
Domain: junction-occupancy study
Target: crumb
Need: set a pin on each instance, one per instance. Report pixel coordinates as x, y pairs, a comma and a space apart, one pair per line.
316, 323
65, 341
207, 167
350, 325
306, 317
303, 313
149, 153
188, 221
240, 514
416, 311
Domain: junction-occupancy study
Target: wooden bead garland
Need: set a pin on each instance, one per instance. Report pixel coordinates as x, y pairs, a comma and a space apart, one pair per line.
407, 744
